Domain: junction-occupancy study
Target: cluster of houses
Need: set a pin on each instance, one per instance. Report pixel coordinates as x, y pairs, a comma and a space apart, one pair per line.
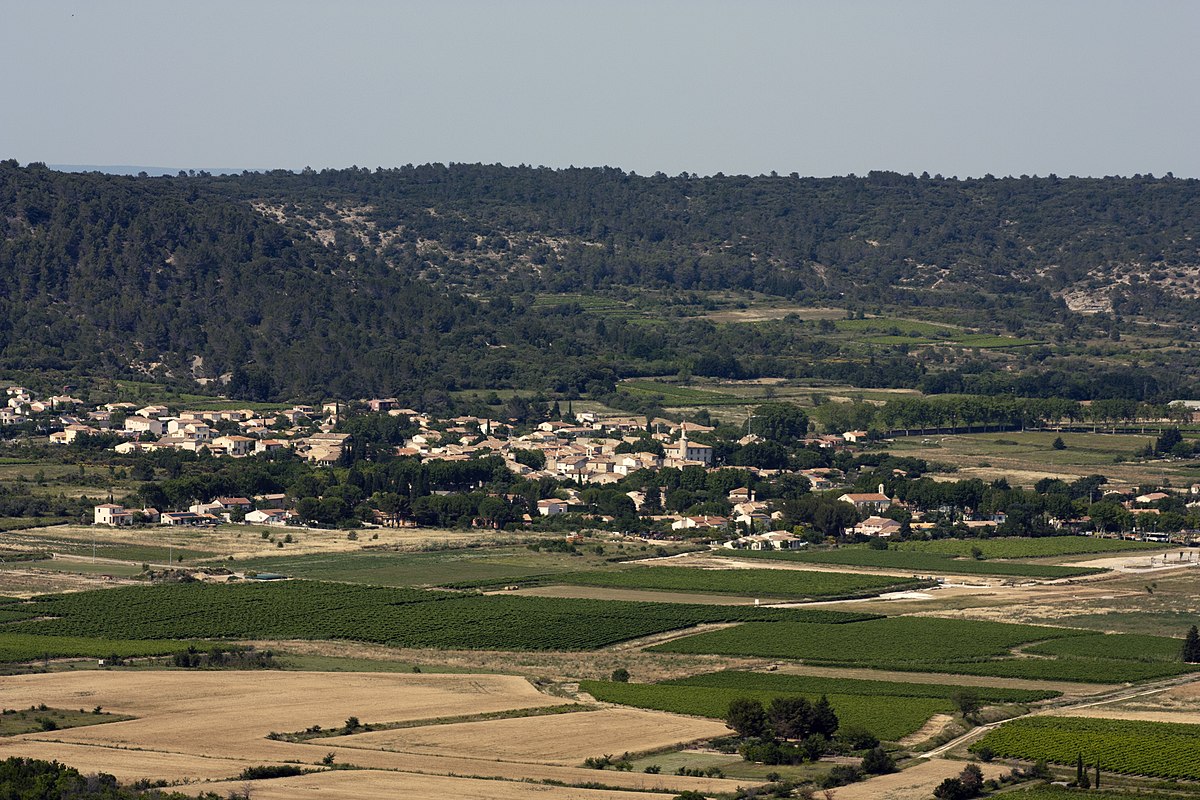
218, 510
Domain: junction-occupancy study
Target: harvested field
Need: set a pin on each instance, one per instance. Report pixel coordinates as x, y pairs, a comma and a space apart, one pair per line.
565, 739
210, 725
915, 783
379, 785
215, 705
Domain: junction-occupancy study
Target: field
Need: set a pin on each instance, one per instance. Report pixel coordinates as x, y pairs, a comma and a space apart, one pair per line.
1023, 547
952, 646
29, 720
673, 395
855, 556
749, 582
816, 685
399, 617
564, 739
1124, 646
220, 738
1024, 457
16, 646
874, 642
1155, 749
889, 331
889, 718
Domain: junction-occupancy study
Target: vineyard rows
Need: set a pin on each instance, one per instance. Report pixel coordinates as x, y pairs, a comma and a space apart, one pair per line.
888, 639
928, 644
1024, 547
816, 685
748, 582
1154, 749
924, 563
398, 617
1123, 646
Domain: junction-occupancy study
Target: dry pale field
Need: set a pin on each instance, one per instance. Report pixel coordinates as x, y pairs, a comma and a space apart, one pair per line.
379, 785
565, 739
210, 725
915, 783
552, 666
245, 541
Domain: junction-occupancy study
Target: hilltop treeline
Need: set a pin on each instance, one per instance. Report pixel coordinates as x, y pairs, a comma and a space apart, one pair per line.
419, 281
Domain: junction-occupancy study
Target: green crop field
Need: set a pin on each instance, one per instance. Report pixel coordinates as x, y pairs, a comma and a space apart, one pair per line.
934, 645
1048, 792
1122, 646
888, 718
748, 582
817, 685
878, 640
922, 562
679, 395
400, 617
1155, 749
1023, 547
462, 567
30, 647
1080, 670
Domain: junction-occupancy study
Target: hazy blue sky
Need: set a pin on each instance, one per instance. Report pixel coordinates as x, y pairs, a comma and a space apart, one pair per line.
1086, 87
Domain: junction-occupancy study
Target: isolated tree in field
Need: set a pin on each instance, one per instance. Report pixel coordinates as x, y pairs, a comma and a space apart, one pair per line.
620, 675
1081, 778
967, 702
1058, 443
746, 717
1191, 646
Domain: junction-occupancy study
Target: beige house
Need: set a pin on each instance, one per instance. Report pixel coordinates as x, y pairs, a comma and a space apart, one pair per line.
871, 503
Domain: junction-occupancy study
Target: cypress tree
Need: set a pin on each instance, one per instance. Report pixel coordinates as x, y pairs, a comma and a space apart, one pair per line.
1079, 770
1191, 646
1096, 783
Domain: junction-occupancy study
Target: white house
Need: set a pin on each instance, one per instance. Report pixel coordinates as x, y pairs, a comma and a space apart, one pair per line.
143, 425
267, 516
551, 507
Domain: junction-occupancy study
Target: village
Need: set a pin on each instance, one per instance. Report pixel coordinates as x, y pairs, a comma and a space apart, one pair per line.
585, 451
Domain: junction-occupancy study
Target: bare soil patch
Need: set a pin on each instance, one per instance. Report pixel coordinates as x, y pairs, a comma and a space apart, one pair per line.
933, 727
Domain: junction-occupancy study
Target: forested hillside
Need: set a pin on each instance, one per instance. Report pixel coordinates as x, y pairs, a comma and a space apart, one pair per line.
421, 280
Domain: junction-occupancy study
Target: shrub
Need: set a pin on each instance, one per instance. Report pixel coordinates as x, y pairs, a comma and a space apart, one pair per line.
267, 771
620, 675
877, 761
840, 775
